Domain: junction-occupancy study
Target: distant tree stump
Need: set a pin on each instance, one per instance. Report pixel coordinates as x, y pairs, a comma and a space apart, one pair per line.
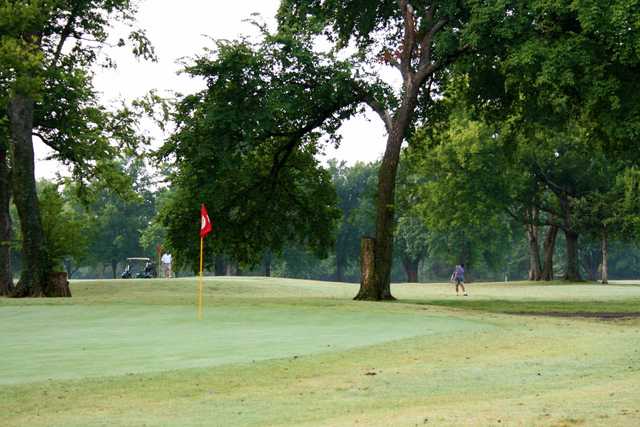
58, 285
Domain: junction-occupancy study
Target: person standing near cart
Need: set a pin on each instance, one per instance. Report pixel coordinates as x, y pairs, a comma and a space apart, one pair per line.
458, 277
166, 265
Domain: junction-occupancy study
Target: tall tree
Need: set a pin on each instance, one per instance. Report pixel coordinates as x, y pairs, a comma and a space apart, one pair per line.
421, 40
47, 48
246, 145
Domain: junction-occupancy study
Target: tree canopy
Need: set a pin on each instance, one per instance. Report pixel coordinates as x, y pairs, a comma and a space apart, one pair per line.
246, 146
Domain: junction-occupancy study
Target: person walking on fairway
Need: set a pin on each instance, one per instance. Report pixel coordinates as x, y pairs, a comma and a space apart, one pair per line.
458, 276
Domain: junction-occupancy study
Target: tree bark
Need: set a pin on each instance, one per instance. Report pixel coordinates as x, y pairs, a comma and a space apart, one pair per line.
6, 274
572, 272
605, 257
36, 266
385, 210
549, 249
535, 271
59, 285
114, 268
368, 282
411, 269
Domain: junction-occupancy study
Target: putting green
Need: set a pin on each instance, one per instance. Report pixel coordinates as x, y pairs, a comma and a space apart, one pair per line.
70, 342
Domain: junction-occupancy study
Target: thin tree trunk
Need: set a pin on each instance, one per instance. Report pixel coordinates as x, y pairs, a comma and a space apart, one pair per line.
114, 268
267, 264
36, 266
572, 272
535, 271
411, 269
605, 257
6, 274
549, 249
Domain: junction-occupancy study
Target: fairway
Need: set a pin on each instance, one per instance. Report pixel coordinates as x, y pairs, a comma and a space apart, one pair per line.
292, 352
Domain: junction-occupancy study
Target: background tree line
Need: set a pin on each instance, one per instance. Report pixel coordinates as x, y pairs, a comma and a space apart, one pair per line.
92, 239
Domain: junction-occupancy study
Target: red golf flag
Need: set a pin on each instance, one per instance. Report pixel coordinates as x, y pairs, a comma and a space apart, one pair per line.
205, 222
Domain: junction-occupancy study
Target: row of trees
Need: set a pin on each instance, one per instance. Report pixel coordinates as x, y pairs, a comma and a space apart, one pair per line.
515, 112
92, 238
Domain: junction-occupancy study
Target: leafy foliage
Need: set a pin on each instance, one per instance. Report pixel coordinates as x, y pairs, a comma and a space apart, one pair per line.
246, 147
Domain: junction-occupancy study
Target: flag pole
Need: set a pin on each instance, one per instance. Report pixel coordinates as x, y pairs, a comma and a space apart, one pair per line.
205, 228
200, 280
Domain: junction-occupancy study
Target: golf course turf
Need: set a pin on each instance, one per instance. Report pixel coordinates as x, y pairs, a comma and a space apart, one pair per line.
293, 352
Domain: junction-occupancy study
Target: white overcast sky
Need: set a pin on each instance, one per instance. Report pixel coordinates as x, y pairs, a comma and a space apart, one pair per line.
180, 29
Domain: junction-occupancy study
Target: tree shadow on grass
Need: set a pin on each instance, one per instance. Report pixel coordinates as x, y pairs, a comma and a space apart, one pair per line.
588, 309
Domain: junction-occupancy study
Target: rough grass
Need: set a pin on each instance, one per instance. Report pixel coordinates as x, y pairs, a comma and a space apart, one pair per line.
287, 352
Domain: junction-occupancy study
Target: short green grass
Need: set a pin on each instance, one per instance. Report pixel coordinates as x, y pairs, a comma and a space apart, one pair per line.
290, 352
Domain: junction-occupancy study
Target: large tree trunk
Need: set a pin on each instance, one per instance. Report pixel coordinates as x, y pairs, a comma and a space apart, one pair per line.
383, 254
572, 272
411, 269
385, 203
6, 275
36, 266
549, 249
535, 271
605, 257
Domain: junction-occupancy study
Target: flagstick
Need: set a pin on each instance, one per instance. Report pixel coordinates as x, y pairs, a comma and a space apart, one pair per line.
200, 281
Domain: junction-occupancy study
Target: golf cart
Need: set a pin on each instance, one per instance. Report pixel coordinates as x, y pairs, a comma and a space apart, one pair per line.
140, 268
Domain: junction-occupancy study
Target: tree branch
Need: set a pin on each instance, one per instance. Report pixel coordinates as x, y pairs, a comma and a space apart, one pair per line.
430, 68
409, 41
46, 141
425, 43
64, 35
380, 110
